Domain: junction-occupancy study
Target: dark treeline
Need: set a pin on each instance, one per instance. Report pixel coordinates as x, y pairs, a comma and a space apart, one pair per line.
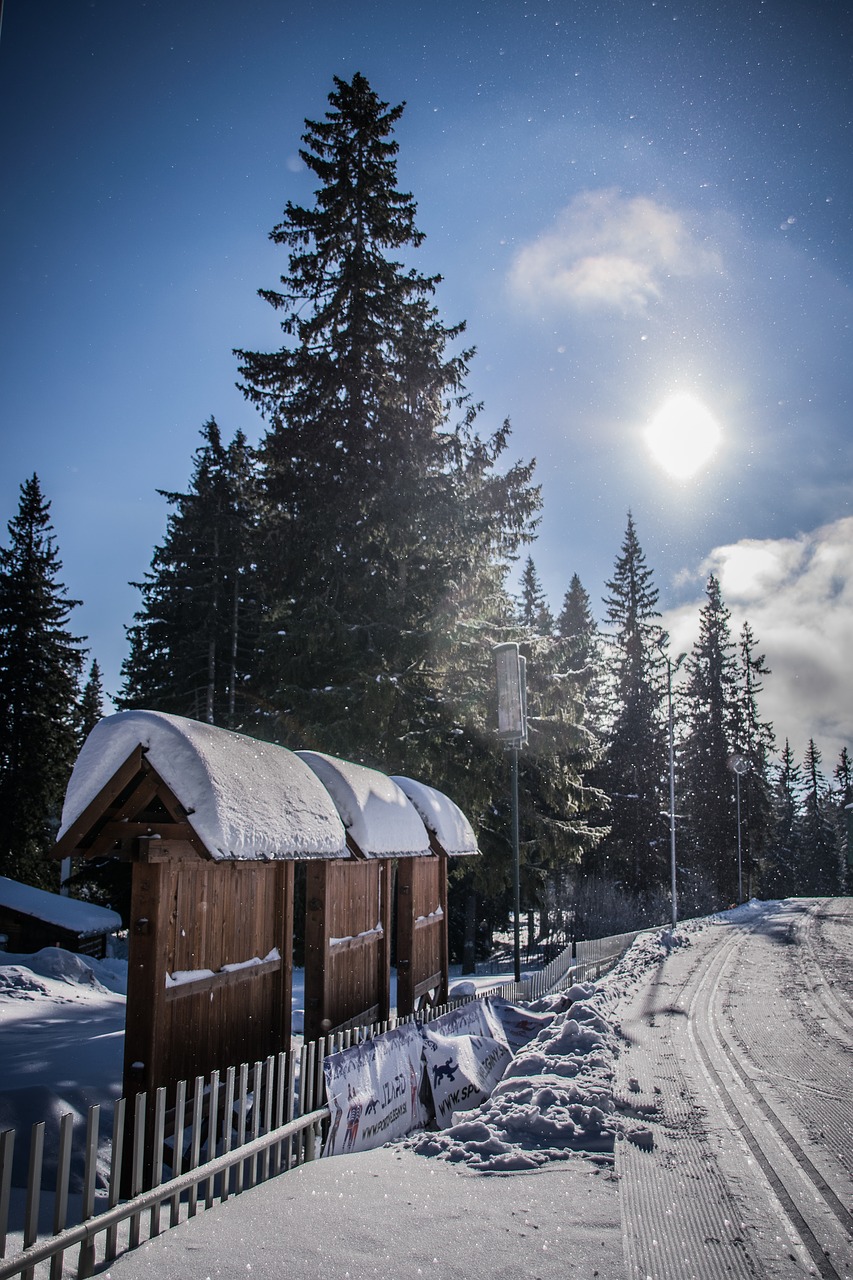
341, 587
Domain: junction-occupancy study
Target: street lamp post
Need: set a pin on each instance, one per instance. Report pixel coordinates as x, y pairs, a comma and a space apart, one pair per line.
670, 668
739, 766
512, 729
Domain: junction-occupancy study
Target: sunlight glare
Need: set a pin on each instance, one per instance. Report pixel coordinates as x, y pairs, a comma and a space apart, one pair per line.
682, 436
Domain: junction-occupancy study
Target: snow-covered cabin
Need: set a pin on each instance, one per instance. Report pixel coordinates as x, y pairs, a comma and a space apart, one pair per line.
32, 918
213, 823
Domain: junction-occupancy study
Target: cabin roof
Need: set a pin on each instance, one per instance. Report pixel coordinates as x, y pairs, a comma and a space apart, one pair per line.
236, 798
444, 819
378, 817
84, 919
244, 799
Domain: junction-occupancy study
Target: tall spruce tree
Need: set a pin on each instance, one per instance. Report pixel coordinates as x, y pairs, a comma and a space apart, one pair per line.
40, 666
91, 702
708, 785
753, 739
781, 867
386, 528
192, 641
534, 613
635, 853
843, 775
581, 650
820, 860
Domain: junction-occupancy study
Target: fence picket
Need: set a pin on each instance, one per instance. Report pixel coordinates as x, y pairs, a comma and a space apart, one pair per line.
31, 1214
86, 1261
212, 1132
115, 1174
178, 1147
227, 1122
157, 1155
7, 1150
241, 1123
63, 1172
195, 1141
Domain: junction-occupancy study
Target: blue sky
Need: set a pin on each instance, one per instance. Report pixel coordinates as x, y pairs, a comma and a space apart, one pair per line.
627, 200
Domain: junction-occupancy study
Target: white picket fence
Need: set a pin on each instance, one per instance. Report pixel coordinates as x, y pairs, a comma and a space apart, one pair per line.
225, 1136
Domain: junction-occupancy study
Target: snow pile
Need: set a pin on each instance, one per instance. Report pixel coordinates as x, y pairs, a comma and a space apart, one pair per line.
245, 799
22, 976
557, 1095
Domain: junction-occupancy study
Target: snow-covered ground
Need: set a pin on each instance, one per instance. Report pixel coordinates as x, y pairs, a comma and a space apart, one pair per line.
634, 1136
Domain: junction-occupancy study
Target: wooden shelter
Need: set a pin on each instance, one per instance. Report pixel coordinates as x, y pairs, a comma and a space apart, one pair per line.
212, 823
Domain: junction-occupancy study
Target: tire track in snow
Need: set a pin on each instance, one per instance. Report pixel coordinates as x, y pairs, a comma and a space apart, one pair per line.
680, 1218
822, 1221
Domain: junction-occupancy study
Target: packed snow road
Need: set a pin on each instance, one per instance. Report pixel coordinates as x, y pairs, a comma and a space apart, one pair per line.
741, 1053
735, 1061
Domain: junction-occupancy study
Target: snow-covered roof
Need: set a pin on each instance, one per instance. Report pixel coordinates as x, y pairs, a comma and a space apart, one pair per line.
82, 918
245, 799
441, 816
374, 810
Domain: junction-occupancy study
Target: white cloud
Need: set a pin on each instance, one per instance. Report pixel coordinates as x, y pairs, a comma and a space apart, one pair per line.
606, 251
797, 595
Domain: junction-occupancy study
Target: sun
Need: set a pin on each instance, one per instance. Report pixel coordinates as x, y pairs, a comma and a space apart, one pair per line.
682, 436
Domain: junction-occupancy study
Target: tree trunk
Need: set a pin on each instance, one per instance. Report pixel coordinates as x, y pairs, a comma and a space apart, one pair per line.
469, 945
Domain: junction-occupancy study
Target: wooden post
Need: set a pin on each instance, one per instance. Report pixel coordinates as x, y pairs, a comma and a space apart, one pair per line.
386, 870
150, 911
284, 942
405, 937
442, 994
316, 945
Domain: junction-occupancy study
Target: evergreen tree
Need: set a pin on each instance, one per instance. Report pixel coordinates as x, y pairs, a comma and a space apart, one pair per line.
386, 531
40, 666
581, 651
843, 798
91, 703
533, 611
820, 864
635, 853
708, 787
781, 868
192, 642
561, 816
753, 740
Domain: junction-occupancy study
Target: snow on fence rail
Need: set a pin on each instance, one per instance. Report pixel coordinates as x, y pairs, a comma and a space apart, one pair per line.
231, 1134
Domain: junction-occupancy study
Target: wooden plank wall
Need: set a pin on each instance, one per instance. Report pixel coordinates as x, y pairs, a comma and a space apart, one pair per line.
421, 932
190, 914
347, 961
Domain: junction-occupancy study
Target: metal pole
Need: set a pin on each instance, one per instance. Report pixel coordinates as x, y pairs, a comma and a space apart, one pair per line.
671, 795
739, 851
516, 885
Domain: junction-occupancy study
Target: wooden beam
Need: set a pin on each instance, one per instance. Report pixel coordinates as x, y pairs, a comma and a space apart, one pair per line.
99, 806
227, 979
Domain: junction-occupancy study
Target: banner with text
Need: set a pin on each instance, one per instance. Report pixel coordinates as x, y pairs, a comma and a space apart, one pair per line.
373, 1091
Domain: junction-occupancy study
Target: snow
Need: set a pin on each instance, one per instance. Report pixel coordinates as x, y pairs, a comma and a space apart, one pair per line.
375, 811
377, 930
82, 918
441, 816
244, 798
